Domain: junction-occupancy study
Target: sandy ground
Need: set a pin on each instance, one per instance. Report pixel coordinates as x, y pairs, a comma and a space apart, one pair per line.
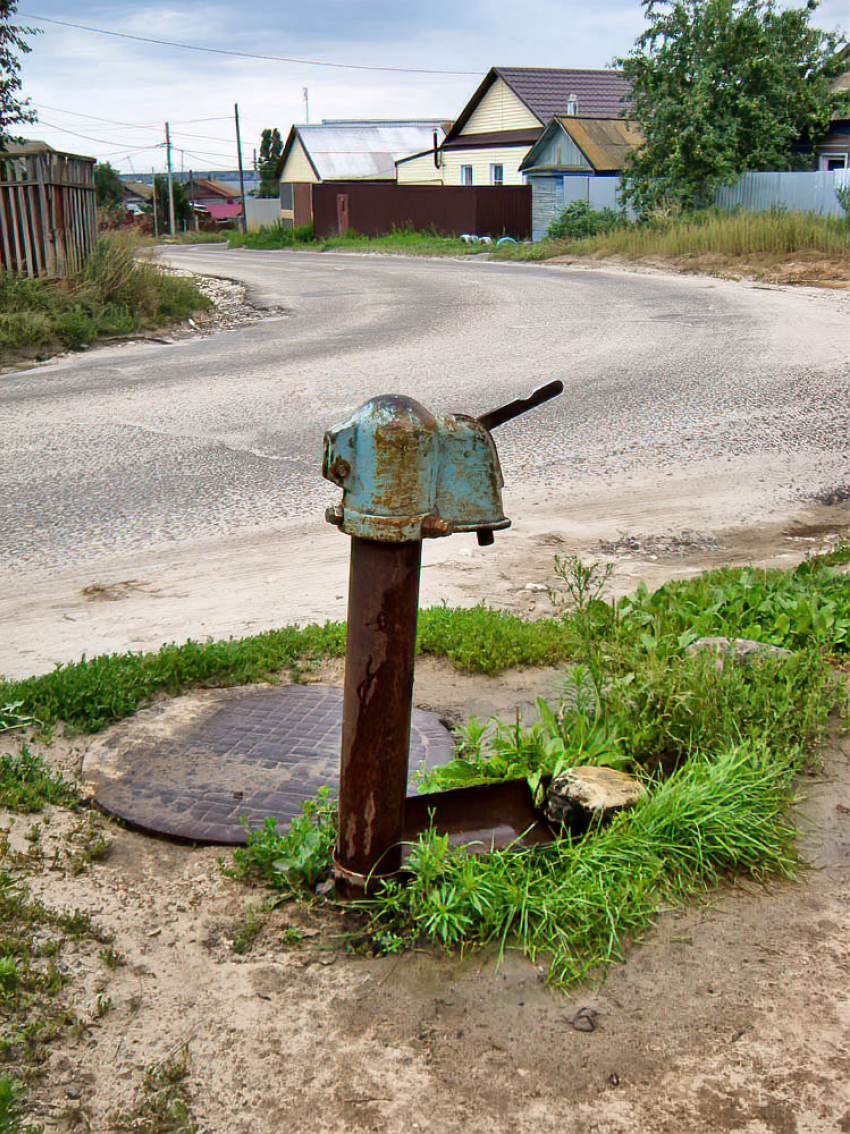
152, 598
733, 1016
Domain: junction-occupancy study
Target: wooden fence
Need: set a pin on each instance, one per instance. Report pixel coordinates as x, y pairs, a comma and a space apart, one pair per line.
48, 225
374, 207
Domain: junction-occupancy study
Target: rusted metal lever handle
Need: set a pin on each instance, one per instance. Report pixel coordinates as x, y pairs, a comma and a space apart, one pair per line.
521, 405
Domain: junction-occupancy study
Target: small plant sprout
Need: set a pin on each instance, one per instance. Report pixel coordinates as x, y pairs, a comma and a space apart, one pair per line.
111, 957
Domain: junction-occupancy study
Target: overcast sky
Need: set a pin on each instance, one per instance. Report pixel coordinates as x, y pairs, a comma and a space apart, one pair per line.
118, 92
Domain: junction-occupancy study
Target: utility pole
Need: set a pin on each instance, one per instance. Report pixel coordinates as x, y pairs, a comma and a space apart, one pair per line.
192, 199
305, 94
153, 199
172, 224
241, 174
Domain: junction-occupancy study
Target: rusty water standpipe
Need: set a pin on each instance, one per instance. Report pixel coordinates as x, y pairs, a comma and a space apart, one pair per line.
406, 475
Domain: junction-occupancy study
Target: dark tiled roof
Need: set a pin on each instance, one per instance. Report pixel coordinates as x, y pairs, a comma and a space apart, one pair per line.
545, 91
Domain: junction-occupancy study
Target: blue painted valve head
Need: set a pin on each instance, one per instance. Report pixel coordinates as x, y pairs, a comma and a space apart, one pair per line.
409, 475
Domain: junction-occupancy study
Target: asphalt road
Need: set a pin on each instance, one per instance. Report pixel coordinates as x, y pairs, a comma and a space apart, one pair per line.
144, 446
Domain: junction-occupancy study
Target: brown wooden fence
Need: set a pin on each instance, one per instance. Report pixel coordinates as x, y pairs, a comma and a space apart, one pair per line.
48, 225
374, 207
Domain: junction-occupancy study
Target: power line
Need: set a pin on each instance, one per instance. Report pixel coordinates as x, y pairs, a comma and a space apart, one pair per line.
205, 154
141, 126
96, 118
247, 54
88, 137
153, 129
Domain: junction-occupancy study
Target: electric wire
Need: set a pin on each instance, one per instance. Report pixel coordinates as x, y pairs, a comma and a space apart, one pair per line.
134, 126
247, 54
140, 125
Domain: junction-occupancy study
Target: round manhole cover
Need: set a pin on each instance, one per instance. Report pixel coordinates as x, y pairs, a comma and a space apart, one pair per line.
195, 767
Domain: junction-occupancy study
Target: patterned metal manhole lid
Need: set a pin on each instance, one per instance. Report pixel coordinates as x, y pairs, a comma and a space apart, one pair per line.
193, 767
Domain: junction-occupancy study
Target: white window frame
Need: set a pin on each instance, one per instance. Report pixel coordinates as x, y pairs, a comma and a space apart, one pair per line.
836, 155
497, 174
466, 175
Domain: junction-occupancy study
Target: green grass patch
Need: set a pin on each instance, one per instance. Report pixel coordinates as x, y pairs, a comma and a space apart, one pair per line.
715, 745
807, 607
406, 241
94, 692
711, 232
26, 784
577, 904
113, 294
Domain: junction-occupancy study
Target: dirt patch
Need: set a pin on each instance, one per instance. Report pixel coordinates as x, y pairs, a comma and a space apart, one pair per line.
732, 1016
808, 269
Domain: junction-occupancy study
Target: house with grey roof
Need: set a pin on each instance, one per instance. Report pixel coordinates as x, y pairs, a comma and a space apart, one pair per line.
347, 150
577, 158
506, 115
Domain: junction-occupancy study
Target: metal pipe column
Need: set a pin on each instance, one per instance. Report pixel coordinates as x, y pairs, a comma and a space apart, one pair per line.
383, 602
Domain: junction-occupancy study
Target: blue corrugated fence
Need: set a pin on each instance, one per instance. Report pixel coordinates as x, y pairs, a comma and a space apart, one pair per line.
802, 192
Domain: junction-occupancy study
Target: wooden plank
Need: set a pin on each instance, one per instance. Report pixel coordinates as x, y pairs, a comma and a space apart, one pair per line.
23, 205
91, 224
46, 226
32, 228
61, 228
5, 223
78, 228
19, 259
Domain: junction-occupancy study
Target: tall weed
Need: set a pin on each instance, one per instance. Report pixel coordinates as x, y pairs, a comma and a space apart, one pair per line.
113, 294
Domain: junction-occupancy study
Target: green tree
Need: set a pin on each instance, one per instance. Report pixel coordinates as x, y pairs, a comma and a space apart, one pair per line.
271, 147
109, 187
720, 87
182, 208
13, 109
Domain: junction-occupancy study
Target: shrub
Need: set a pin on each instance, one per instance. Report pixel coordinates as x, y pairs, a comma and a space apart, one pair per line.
579, 220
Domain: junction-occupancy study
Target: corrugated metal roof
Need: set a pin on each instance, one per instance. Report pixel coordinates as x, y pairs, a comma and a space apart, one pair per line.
547, 91
603, 141
355, 151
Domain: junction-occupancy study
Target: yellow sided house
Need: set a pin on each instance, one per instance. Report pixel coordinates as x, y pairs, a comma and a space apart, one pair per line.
506, 116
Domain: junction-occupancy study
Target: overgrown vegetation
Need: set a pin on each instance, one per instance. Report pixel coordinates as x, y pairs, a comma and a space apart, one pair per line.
709, 232
715, 745
579, 221
113, 294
